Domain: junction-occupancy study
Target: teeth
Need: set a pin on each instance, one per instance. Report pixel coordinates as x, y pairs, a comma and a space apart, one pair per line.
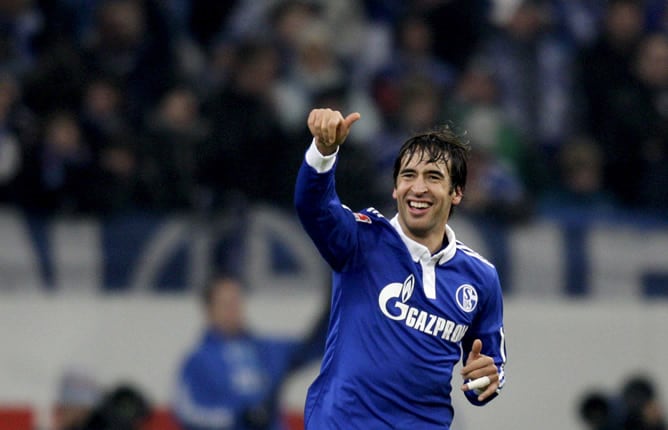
419, 205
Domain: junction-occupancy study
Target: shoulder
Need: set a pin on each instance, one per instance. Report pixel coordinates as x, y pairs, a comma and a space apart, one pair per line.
371, 222
367, 216
476, 261
203, 351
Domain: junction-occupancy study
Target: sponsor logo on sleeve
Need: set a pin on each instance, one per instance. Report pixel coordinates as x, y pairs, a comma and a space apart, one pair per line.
360, 217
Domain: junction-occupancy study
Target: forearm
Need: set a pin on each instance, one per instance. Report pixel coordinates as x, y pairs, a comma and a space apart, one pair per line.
329, 224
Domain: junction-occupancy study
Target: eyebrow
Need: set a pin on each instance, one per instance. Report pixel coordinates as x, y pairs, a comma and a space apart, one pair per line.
427, 171
435, 171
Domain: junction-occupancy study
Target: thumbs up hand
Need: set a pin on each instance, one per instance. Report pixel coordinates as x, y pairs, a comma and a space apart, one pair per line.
481, 372
330, 128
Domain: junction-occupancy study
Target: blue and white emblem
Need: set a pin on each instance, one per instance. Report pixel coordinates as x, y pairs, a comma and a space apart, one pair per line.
467, 297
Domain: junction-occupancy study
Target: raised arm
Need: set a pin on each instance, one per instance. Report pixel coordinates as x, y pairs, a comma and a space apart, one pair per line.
330, 225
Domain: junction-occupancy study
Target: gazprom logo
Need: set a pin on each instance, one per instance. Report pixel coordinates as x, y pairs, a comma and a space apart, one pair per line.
467, 297
393, 302
393, 291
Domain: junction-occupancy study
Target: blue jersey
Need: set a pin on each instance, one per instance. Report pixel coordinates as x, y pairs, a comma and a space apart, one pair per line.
223, 377
401, 318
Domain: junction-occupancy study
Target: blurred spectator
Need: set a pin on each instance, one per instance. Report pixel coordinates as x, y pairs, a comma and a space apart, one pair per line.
175, 133
493, 190
280, 21
232, 377
58, 169
502, 167
636, 407
130, 41
476, 107
643, 410
604, 70
102, 110
652, 70
284, 20
458, 26
127, 40
119, 183
317, 69
596, 410
414, 55
578, 21
580, 179
412, 58
78, 395
124, 407
21, 22
632, 126
533, 70
238, 162
220, 60
16, 134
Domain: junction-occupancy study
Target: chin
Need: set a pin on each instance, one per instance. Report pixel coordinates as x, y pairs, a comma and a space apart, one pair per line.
417, 230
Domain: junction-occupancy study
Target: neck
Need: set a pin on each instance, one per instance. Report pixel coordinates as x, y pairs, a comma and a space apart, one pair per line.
434, 241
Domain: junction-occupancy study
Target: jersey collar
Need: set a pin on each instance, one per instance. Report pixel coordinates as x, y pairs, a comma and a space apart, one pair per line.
420, 252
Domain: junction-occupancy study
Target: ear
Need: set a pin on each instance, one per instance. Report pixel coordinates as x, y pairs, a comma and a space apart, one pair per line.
457, 195
394, 193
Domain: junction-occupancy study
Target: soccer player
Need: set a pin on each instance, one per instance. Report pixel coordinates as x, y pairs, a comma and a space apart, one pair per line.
408, 300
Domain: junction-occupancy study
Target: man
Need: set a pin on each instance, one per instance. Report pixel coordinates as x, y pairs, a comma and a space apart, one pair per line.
408, 300
231, 379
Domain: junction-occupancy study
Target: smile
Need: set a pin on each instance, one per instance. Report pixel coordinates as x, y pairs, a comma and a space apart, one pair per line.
419, 205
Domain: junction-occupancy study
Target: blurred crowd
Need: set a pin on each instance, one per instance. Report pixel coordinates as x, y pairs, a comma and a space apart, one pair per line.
637, 406
82, 403
110, 106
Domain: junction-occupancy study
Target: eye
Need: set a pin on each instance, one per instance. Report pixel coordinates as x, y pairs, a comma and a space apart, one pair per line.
435, 177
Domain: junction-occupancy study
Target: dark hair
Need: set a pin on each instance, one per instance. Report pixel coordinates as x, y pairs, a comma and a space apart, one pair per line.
125, 407
637, 391
595, 408
437, 145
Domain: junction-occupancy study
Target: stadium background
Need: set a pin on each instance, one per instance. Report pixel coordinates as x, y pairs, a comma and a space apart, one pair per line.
145, 144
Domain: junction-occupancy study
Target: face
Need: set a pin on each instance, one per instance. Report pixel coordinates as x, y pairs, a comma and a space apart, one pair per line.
424, 196
225, 311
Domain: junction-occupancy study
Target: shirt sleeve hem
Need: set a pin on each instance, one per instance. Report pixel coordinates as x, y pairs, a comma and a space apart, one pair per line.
321, 163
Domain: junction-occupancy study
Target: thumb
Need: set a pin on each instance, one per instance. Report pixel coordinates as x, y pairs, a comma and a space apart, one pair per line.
475, 349
350, 119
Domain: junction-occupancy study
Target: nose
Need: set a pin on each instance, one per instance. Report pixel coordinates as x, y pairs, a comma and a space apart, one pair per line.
419, 186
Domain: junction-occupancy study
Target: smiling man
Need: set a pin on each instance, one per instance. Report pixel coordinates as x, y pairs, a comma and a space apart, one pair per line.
408, 300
